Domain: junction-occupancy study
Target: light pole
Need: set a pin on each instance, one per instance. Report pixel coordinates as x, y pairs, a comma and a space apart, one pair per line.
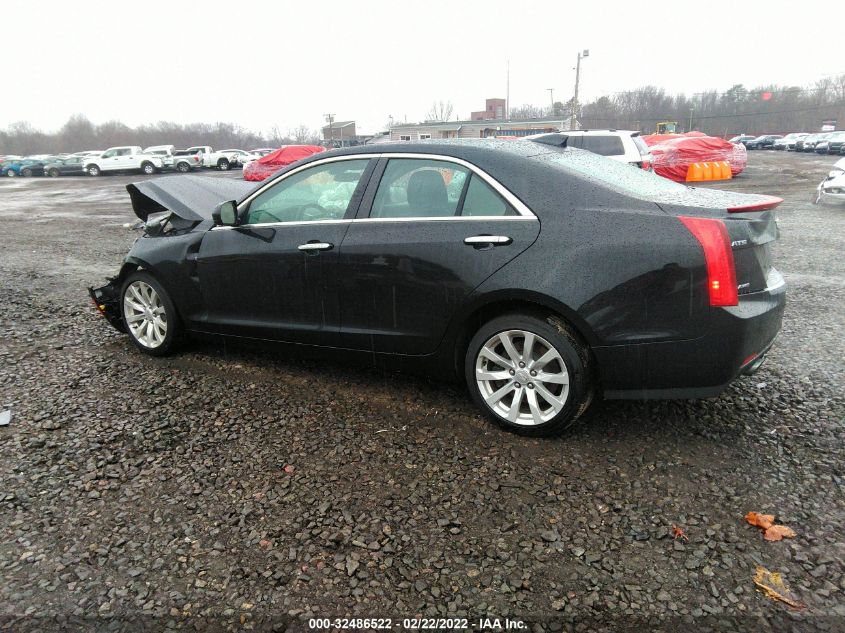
581, 55
689, 128
552, 99
330, 119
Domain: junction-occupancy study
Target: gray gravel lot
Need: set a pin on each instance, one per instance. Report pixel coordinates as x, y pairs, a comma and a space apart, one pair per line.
229, 487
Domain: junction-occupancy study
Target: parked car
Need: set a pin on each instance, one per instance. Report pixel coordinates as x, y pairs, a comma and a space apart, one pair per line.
185, 160
24, 167
219, 160
833, 186
539, 275
623, 145
808, 144
88, 152
263, 151
742, 138
239, 157
70, 166
125, 158
832, 144
792, 145
766, 141
784, 143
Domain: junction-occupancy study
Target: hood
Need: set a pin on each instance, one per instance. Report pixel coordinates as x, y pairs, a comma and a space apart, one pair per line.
192, 198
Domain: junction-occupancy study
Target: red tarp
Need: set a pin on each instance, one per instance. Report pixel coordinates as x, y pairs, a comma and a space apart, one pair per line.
266, 166
672, 154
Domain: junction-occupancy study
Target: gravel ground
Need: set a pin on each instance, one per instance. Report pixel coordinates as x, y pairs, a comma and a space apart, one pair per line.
229, 488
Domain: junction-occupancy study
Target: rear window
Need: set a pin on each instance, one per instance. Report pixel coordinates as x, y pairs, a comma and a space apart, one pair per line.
613, 174
641, 145
604, 145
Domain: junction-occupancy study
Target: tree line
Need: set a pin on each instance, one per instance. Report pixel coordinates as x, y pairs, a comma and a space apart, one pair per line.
761, 110
79, 134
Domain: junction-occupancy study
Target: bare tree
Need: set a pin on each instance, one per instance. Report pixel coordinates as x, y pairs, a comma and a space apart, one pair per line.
440, 111
527, 111
302, 134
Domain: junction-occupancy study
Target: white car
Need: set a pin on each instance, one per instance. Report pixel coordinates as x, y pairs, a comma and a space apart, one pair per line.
833, 187
239, 156
125, 158
625, 146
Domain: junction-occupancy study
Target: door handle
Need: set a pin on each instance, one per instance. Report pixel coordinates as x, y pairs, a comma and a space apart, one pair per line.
493, 240
316, 246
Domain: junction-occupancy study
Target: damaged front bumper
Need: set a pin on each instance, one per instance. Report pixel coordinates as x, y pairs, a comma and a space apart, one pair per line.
107, 301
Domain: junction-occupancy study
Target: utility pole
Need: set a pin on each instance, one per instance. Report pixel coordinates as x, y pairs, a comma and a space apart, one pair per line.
689, 128
330, 119
585, 53
508, 94
552, 99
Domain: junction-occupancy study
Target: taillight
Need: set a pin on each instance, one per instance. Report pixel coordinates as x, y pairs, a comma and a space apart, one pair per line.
721, 272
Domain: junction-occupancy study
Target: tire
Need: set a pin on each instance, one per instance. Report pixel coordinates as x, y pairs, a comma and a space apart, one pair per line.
223, 164
93, 170
183, 168
148, 168
26, 172
149, 315
569, 383
54, 173
10, 173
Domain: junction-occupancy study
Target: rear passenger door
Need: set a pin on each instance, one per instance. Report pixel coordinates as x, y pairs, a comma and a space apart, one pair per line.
430, 230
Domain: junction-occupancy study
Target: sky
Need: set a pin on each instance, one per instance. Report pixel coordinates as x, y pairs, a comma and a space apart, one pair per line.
283, 63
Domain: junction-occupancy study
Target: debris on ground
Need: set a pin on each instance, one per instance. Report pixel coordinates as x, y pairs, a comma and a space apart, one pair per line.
766, 522
5, 417
772, 584
678, 533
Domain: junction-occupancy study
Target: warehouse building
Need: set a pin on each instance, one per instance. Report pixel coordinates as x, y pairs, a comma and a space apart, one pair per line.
476, 129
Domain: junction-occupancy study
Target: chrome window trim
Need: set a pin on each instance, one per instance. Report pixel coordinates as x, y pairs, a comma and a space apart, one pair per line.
524, 212
450, 218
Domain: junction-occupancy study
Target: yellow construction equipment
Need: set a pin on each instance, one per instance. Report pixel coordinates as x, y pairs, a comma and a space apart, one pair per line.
666, 127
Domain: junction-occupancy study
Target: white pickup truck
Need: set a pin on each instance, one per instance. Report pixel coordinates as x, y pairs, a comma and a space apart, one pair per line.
126, 158
221, 160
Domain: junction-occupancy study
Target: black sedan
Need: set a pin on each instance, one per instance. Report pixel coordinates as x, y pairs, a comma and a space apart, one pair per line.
539, 275
767, 141
71, 166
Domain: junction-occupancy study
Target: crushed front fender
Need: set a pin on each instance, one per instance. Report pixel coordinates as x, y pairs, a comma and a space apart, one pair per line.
107, 301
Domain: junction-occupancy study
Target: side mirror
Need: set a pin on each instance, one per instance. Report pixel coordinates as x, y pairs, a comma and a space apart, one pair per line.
226, 214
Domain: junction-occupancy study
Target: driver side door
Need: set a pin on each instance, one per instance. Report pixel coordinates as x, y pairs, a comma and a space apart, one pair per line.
275, 275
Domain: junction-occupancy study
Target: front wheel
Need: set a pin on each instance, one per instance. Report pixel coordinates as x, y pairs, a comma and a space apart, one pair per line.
26, 172
149, 315
148, 168
93, 170
529, 375
223, 164
183, 168
54, 173
11, 173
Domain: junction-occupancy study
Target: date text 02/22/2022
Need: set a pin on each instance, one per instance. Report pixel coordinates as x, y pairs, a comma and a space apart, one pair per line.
420, 624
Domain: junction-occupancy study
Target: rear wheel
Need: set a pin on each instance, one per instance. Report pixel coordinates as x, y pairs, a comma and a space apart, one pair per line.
223, 164
11, 173
26, 172
148, 168
54, 173
183, 168
149, 315
528, 374
93, 170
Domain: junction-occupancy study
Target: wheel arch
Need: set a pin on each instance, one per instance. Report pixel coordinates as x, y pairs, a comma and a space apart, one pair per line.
497, 304
133, 264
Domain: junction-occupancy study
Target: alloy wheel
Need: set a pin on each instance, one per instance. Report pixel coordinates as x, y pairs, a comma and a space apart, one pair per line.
145, 314
522, 377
